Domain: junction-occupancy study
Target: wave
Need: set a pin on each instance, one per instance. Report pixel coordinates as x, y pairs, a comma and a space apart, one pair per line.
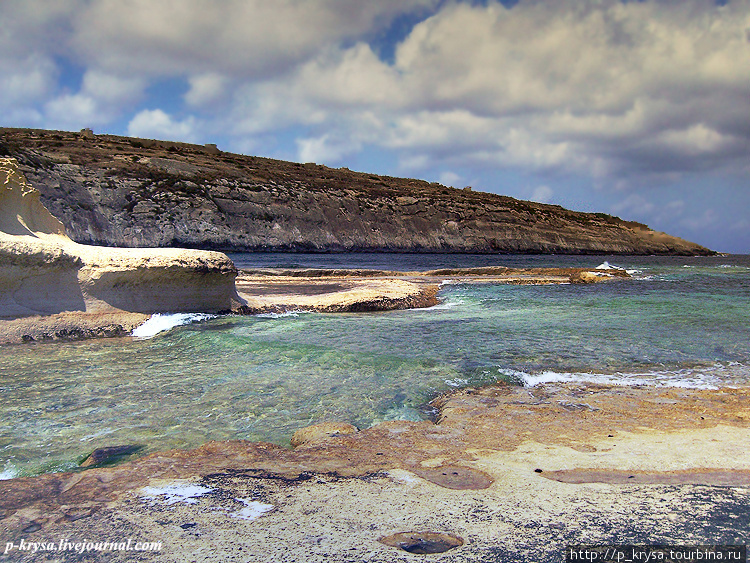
161, 322
607, 266
444, 306
695, 378
10, 471
280, 315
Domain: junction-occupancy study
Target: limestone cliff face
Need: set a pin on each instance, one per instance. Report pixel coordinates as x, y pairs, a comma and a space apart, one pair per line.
43, 272
135, 192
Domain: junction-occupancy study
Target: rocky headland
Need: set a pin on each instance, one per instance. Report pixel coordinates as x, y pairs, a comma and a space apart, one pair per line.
54, 288
50, 283
127, 192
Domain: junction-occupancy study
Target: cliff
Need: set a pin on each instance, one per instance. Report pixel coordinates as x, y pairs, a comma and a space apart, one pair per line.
43, 272
119, 191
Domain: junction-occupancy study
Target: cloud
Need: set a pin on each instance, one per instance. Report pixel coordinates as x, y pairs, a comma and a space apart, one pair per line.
625, 93
542, 194
708, 219
634, 204
24, 85
324, 149
607, 89
449, 178
156, 124
207, 89
112, 88
242, 38
30, 36
102, 98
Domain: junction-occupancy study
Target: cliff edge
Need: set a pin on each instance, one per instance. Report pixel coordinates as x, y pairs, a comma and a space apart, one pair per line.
120, 191
43, 272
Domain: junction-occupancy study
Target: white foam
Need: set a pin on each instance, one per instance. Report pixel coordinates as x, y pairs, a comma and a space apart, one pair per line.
689, 379
178, 491
280, 315
161, 322
252, 510
444, 306
10, 471
607, 266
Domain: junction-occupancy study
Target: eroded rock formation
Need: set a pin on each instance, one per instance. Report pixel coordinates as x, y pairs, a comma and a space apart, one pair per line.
118, 191
507, 468
44, 272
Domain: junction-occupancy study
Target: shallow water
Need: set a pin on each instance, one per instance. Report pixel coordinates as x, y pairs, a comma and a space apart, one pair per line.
681, 321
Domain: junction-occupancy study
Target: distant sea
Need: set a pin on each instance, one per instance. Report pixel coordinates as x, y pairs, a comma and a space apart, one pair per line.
679, 322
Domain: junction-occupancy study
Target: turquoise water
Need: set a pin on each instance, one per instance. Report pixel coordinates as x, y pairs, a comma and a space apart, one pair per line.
680, 321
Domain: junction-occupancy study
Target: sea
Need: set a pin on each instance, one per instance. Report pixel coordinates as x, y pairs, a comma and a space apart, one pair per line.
185, 379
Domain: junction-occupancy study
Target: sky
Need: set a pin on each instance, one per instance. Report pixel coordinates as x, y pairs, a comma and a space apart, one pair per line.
640, 109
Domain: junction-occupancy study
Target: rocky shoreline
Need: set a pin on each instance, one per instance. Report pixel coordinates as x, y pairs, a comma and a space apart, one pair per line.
52, 288
47, 280
515, 473
282, 291
503, 473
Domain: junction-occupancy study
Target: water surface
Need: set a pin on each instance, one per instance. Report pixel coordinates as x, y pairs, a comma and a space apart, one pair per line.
680, 321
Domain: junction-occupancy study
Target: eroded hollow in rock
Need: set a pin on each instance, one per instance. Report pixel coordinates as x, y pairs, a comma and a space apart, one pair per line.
423, 542
455, 477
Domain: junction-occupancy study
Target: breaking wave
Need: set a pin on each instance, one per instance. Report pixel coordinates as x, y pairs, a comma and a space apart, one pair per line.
161, 322
712, 377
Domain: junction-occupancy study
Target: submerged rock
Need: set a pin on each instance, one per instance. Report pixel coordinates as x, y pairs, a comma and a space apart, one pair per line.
322, 431
109, 454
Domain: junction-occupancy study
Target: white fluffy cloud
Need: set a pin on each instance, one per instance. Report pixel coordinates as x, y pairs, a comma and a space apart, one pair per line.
101, 99
156, 124
542, 194
246, 38
30, 36
609, 89
207, 89
24, 84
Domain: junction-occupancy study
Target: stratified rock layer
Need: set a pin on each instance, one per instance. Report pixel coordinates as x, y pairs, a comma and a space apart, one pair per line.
43, 272
119, 191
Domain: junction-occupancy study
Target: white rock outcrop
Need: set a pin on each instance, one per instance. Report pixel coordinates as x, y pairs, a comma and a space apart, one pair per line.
44, 272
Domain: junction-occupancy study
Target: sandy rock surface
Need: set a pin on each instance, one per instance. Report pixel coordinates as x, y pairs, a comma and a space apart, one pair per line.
517, 474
